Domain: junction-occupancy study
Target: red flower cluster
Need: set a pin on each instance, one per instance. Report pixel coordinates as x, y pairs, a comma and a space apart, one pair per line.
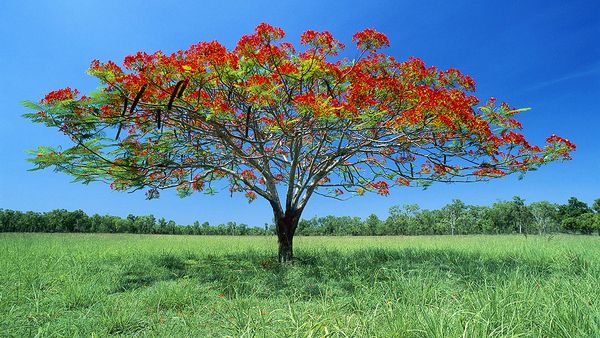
287, 68
324, 42
258, 80
97, 68
212, 52
453, 75
402, 181
248, 175
489, 172
560, 148
138, 61
381, 186
269, 33
197, 183
265, 34
250, 195
511, 137
557, 139
247, 45
307, 98
60, 95
370, 39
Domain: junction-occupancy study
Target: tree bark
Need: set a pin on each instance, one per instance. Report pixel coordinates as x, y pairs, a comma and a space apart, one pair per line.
286, 225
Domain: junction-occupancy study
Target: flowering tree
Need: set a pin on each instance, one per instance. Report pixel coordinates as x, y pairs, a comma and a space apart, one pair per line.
265, 119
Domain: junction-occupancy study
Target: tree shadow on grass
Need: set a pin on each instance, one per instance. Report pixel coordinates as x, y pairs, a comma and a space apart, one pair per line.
337, 273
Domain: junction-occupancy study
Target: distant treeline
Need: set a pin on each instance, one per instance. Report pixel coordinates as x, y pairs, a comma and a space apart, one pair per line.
503, 217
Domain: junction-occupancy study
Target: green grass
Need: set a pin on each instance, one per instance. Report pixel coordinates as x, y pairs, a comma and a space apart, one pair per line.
148, 285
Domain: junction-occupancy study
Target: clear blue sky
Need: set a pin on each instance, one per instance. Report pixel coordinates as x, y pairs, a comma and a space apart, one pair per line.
539, 54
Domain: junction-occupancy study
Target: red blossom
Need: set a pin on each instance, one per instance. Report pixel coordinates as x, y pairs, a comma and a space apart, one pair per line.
138, 61
370, 39
258, 80
489, 172
287, 68
557, 139
402, 181
308, 36
511, 137
60, 95
248, 175
250, 195
212, 52
381, 186
324, 42
269, 33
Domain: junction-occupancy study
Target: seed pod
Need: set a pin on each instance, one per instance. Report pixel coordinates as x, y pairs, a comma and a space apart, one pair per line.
183, 86
329, 91
125, 103
248, 120
137, 99
173, 95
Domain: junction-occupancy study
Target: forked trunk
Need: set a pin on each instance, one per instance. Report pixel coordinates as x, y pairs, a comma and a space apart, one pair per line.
286, 227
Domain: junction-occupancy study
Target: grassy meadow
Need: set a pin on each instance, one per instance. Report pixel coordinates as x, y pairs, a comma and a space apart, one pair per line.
96, 285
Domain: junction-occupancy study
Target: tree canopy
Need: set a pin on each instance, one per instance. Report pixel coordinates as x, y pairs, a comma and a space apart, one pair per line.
267, 119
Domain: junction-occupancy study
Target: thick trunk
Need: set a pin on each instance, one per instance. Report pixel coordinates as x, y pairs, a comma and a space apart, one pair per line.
286, 249
286, 227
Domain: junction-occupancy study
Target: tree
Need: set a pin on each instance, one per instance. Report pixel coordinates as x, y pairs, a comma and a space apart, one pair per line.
596, 224
596, 209
453, 213
477, 221
544, 214
397, 221
586, 223
499, 216
520, 214
373, 225
596, 206
265, 119
570, 212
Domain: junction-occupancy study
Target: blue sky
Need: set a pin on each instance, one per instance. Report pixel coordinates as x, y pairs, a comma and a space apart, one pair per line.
539, 54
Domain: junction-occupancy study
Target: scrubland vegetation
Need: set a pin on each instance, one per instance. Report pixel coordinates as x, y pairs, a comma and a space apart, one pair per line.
502, 217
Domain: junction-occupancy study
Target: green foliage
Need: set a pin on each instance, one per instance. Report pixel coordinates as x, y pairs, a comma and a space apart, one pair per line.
573, 208
586, 223
458, 218
179, 286
596, 206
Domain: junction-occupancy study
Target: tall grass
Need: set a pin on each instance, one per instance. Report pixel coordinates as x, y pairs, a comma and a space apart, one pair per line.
145, 285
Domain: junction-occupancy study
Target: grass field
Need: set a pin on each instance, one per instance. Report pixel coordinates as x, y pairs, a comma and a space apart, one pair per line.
183, 286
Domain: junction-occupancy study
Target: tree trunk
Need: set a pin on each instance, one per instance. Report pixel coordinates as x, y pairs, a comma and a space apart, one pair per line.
286, 225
